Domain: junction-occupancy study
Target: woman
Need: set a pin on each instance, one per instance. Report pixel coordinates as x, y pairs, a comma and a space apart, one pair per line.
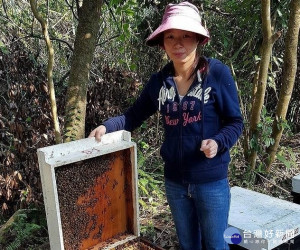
198, 100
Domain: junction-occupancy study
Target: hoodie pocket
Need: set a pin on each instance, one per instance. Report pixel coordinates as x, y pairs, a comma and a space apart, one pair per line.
214, 162
194, 159
170, 150
191, 153
191, 146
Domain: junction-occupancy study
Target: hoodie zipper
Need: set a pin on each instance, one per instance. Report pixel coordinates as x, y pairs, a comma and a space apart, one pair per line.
199, 80
180, 127
202, 106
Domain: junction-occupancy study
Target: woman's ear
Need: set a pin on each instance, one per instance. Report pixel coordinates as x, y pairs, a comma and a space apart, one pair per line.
200, 39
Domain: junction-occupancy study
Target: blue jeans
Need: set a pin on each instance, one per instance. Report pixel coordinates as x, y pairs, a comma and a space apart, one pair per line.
200, 213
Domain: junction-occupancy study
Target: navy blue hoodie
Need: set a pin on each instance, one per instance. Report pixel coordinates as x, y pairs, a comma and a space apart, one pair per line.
210, 114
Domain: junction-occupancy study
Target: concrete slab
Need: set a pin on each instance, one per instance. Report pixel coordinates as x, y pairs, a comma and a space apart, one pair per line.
264, 222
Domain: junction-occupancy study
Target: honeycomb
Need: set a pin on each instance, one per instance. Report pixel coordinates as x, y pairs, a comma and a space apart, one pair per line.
95, 199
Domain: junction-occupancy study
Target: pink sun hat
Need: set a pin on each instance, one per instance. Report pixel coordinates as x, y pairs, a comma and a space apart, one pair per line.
182, 16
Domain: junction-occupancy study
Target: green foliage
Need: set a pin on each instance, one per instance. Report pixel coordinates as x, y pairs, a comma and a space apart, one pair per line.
150, 170
282, 124
263, 139
148, 230
26, 231
3, 48
288, 157
119, 22
248, 179
227, 30
149, 183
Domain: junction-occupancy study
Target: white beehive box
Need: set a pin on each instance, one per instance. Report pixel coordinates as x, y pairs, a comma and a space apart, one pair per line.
90, 192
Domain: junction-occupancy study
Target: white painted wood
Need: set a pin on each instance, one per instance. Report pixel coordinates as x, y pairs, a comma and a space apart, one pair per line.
136, 221
119, 243
66, 153
296, 184
51, 203
252, 212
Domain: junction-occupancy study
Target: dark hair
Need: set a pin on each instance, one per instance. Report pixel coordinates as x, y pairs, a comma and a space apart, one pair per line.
200, 64
160, 40
201, 38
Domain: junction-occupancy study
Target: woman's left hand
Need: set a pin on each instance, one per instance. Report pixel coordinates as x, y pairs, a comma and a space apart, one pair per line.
209, 148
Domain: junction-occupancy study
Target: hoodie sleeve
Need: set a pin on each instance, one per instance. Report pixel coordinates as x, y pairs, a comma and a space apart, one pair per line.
142, 108
229, 108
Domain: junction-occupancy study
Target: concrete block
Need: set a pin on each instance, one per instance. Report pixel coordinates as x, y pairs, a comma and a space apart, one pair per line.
264, 222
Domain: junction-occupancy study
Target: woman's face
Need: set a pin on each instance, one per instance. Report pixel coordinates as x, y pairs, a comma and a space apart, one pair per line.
180, 45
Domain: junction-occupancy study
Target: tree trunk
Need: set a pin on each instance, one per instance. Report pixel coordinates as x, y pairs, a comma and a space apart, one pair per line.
49, 70
268, 40
84, 47
288, 79
246, 132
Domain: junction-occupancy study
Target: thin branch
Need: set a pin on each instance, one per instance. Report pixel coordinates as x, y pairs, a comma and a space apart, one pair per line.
101, 31
217, 10
59, 20
168, 224
4, 8
113, 15
219, 53
237, 87
47, 4
5, 102
77, 7
7, 18
4, 146
276, 36
109, 39
4, 18
266, 19
63, 78
2, 117
149, 25
44, 27
284, 190
51, 38
71, 6
113, 37
32, 24
33, 5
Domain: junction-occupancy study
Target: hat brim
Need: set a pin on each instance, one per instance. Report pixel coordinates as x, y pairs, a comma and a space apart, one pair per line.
181, 23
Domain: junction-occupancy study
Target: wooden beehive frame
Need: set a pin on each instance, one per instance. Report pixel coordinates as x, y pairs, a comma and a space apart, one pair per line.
59, 155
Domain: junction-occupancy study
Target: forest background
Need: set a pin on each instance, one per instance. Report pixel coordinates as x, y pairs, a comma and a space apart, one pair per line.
67, 65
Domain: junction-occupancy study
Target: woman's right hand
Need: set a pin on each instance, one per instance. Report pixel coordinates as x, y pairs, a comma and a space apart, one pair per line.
98, 132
